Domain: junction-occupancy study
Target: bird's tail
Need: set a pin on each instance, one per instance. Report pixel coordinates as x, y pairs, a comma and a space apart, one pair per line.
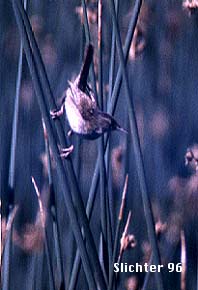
82, 83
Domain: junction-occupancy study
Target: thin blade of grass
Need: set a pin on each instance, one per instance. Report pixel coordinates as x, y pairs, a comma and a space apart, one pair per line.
15, 117
111, 81
46, 238
112, 56
11, 176
7, 261
138, 154
113, 103
118, 226
53, 208
103, 185
147, 276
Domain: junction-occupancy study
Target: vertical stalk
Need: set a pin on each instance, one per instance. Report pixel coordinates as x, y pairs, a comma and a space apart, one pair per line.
119, 223
41, 84
138, 154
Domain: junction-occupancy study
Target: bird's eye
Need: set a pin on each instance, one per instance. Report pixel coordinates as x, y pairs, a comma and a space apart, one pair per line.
91, 111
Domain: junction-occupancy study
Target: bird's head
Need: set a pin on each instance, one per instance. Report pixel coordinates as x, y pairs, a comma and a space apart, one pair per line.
108, 123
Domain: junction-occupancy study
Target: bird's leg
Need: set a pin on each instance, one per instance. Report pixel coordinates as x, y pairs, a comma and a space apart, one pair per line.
65, 152
69, 133
57, 113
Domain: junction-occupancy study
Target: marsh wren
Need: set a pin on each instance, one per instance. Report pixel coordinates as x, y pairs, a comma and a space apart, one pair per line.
84, 116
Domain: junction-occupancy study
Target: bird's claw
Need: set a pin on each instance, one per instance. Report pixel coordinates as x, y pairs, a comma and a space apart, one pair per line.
56, 113
65, 152
69, 133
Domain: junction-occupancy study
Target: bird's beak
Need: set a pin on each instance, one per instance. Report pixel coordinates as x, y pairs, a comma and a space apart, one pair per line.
122, 129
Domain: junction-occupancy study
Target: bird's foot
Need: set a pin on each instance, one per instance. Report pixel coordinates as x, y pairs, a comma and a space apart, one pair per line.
69, 133
65, 152
56, 113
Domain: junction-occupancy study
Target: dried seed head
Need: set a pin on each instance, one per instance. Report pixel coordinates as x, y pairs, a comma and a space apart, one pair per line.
138, 43
117, 156
37, 24
160, 228
132, 283
128, 241
91, 14
191, 157
31, 239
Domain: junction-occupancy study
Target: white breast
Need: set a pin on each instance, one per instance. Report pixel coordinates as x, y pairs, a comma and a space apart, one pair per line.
74, 117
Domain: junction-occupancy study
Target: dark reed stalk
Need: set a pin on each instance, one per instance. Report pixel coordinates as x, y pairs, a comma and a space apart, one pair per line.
129, 37
68, 163
103, 186
117, 233
109, 231
112, 56
79, 203
71, 177
39, 270
46, 238
113, 103
105, 209
46, 117
78, 169
11, 176
96, 181
107, 156
53, 208
147, 276
138, 154
15, 117
47, 151
31, 279
111, 77
111, 109
75, 271
57, 238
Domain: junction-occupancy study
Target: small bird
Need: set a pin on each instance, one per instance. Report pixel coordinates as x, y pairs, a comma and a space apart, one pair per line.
84, 116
